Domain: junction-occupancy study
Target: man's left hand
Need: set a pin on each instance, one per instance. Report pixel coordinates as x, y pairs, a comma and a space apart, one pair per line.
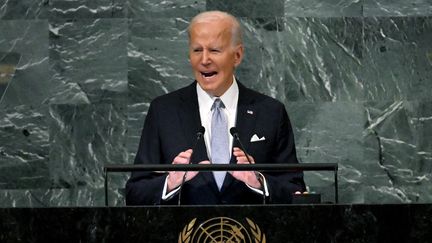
248, 177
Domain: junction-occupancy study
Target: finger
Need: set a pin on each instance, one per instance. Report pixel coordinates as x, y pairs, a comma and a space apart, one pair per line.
245, 159
238, 152
236, 149
185, 154
242, 161
183, 157
180, 160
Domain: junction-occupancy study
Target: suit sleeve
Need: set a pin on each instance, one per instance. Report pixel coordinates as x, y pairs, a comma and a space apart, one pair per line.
282, 185
145, 188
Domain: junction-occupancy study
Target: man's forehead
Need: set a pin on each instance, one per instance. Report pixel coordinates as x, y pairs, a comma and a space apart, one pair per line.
210, 37
211, 28
215, 25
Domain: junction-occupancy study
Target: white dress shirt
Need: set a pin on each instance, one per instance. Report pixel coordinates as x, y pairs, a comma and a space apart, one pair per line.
205, 102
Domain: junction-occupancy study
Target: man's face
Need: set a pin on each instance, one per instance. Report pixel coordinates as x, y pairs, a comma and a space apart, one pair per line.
213, 56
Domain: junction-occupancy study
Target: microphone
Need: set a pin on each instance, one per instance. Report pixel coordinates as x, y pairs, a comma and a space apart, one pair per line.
199, 136
234, 133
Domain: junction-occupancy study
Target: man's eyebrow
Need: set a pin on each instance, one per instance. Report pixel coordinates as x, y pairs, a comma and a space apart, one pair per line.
216, 47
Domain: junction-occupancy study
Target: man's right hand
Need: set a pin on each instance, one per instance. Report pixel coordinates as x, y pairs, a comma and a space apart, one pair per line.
175, 177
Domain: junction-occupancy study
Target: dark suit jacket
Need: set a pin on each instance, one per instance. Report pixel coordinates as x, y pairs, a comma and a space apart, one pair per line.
170, 127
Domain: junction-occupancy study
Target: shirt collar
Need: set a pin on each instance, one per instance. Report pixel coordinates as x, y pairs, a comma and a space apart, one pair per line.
229, 98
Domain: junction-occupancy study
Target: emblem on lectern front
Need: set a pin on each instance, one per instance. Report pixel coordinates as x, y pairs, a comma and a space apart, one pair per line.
221, 230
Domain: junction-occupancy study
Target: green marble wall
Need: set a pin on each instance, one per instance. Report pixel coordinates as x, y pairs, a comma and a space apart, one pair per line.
76, 79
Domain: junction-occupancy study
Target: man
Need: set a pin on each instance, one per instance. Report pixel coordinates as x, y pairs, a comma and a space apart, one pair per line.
218, 102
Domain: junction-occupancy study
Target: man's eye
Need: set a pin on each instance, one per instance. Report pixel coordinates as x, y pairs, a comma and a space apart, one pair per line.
197, 50
215, 50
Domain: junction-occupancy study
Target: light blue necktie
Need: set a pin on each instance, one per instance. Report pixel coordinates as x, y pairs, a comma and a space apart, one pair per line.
219, 140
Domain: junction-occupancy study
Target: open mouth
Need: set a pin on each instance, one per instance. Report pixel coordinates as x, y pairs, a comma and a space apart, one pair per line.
208, 74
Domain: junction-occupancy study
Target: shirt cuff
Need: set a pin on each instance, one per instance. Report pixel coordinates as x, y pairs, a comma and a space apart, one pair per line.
168, 196
265, 192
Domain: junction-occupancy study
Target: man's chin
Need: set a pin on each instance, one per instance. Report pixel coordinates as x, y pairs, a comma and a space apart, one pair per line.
208, 88
207, 84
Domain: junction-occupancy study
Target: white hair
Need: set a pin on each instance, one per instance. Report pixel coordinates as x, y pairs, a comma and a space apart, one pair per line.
209, 16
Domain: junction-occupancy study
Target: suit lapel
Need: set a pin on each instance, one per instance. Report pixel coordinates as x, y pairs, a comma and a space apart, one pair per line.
246, 117
190, 122
189, 114
245, 124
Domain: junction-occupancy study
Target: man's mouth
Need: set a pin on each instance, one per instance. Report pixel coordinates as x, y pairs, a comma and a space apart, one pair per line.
208, 74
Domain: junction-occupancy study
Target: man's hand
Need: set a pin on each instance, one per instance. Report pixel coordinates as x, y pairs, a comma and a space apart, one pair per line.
175, 177
248, 177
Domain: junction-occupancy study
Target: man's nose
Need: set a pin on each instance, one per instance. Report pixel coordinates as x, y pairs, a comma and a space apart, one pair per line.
205, 58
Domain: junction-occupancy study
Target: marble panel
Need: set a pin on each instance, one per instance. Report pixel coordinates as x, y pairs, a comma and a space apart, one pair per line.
61, 164
88, 57
25, 85
320, 138
324, 8
383, 149
397, 8
397, 58
24, 148
304, 59
398, 133
24, 9
29, 65
248, 8
156, 8
157, 64
83, 139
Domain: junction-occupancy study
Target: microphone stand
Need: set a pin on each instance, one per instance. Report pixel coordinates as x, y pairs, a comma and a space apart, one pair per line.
234, 133
199, 135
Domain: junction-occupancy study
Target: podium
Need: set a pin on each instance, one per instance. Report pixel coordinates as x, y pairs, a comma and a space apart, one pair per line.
259, 223
269, 223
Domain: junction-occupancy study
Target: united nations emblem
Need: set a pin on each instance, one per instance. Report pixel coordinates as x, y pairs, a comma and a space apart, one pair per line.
221, 230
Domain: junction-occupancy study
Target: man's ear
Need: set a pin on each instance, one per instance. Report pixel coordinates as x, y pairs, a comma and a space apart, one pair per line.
238, 55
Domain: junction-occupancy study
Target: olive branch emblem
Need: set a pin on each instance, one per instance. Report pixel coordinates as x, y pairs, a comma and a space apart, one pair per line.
256, 231
185, 235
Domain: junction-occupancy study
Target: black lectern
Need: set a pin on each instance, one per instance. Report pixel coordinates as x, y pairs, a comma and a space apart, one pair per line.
223, 167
